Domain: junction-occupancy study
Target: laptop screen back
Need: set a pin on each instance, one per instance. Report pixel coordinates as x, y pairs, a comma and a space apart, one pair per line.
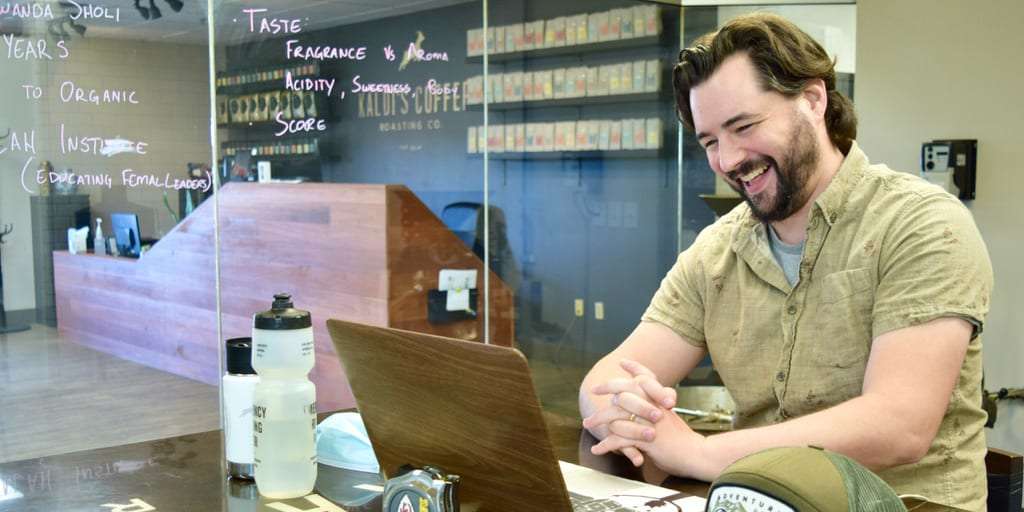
465, 407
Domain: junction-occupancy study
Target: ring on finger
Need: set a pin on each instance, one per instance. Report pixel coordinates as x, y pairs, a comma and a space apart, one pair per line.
632, 417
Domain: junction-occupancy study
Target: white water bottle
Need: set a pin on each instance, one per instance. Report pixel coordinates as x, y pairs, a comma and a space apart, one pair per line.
284, 404
239, 385
99, 243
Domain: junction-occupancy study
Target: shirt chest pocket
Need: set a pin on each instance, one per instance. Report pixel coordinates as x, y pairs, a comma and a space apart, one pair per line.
842, 323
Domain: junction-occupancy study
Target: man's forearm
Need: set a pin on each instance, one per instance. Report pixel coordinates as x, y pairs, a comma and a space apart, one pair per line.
864, 428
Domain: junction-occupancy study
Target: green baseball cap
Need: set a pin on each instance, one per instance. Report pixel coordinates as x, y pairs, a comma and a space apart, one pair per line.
800, 480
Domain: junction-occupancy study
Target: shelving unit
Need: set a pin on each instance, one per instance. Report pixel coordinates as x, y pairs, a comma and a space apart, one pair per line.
638, 97
637, 100
294, 155
600, 46
574, 155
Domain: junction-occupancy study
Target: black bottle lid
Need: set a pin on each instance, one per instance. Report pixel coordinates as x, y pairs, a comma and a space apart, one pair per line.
239, 356
282, 316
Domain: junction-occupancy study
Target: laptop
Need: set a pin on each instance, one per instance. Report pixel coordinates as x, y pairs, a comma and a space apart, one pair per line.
471, 409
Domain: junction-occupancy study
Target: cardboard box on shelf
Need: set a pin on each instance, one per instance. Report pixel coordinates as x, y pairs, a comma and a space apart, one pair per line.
576, 82
529, 91
474, 42
510, 38
628, 139
547, 131
604, 28
615, 135
615, 24
593, 81
508, 88
471, 140
652, 80
639, 134
559, 79
639, 75
490, 40
652, 20
639, 24
655, 133
520, 130
581, 136
538, 34
582, 29
547, 81
510, 138
593, 28
604, 137
517, 86
593, 134
499, 39
626, 77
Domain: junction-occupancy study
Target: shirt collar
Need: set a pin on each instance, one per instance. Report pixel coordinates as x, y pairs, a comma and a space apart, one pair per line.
832, 202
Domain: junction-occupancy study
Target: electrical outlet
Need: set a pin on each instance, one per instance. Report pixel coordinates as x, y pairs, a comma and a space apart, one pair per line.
579, 307
599, 310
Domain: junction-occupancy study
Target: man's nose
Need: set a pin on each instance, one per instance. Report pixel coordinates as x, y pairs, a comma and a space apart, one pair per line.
730, 156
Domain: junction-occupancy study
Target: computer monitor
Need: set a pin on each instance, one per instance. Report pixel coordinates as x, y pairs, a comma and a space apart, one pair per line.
126, 232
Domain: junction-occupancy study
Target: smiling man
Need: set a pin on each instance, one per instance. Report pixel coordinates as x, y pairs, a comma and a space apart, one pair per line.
841, 303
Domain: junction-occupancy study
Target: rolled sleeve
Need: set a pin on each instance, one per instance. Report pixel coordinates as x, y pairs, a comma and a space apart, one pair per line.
678, 303
934, 265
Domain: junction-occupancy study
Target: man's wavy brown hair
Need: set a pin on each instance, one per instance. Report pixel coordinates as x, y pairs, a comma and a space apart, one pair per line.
786, 60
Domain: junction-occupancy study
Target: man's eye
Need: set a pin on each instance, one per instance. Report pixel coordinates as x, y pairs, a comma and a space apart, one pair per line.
708, 144
743, 128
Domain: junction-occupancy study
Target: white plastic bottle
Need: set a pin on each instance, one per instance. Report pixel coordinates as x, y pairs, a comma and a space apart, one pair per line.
99, 243
239, 390
284, 405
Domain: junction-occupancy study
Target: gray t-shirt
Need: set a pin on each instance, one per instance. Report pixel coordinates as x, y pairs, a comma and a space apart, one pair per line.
788, 256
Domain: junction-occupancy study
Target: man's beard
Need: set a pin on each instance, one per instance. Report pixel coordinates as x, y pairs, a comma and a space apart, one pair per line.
791, 177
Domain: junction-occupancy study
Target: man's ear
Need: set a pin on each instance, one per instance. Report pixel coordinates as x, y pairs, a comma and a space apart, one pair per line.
815, 96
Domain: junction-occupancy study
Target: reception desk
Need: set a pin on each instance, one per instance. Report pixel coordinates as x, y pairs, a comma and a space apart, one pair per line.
364, 253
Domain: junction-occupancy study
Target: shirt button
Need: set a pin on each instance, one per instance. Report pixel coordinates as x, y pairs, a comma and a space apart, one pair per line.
791, 310
781, 376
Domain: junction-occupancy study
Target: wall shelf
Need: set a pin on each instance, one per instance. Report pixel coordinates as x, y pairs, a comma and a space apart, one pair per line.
576, 49
638, 97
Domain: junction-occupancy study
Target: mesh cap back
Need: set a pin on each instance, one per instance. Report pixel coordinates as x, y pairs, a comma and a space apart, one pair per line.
800, 480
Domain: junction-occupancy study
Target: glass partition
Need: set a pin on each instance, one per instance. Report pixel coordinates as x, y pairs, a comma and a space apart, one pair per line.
341, 138
600, 188
105, 157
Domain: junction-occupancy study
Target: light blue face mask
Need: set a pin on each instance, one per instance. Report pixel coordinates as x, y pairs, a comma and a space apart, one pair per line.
342, 442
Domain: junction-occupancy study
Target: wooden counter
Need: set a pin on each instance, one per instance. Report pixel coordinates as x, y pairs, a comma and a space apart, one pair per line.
363, 253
